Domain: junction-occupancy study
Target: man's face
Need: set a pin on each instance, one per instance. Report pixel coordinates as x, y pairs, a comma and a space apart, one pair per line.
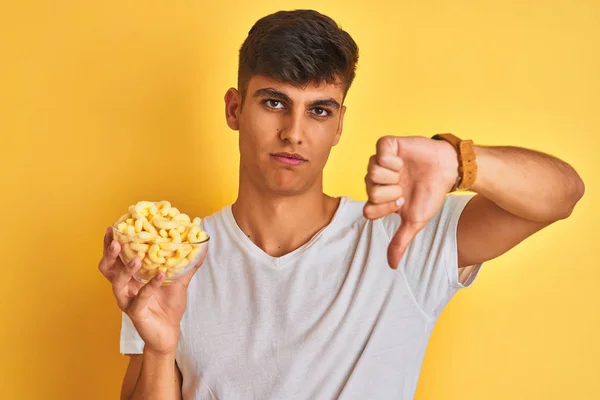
286, 133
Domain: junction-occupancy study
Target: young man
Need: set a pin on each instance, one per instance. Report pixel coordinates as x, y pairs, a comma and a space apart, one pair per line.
296, 298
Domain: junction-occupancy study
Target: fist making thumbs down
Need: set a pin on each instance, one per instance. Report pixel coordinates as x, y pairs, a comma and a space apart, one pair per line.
409, 176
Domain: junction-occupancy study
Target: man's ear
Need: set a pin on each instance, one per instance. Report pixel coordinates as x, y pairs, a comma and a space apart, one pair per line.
338, 134
233, 105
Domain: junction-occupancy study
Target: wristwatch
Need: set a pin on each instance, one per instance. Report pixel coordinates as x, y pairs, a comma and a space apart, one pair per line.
467, 164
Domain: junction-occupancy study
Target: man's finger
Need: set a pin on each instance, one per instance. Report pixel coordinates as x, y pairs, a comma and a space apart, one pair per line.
109, 257
124, 275
146, 292
390, 161
185, 280
108, 238
380, 194
374, 211
387, 153
400, 242
380, 175
387, 145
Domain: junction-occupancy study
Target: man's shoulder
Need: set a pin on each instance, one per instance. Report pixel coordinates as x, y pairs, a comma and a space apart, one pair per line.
351, 208
452, 206
216, 217
352, 212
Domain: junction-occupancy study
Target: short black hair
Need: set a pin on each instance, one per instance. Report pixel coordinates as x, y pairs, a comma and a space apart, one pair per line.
298, 47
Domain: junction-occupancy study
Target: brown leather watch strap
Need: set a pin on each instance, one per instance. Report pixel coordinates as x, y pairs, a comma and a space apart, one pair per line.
467, 163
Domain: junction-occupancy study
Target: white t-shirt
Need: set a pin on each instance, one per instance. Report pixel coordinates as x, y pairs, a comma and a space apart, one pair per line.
328, 320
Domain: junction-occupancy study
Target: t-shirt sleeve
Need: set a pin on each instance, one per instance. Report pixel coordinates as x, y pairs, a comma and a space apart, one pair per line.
430, 263
131, 342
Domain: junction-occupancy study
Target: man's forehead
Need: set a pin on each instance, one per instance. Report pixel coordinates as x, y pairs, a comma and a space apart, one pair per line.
312, 90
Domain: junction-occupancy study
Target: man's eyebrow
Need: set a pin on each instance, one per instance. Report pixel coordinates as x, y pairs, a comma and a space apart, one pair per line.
326, 103
276, 94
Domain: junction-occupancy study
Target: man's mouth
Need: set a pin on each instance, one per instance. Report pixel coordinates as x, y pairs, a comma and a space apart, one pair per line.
289, 158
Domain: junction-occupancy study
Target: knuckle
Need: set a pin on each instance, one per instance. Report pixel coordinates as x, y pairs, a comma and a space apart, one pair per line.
374, 175
368, 212
400, 162
382, 141
116, 283
381, 160
375, 197
372, 164
102, 266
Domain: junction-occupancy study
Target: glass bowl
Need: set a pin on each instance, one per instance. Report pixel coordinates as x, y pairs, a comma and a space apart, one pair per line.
174, 259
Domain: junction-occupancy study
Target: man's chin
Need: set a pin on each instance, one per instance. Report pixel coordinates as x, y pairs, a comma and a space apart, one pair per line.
287, 188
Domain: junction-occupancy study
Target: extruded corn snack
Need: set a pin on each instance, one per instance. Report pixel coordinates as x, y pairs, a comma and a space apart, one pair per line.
162, 237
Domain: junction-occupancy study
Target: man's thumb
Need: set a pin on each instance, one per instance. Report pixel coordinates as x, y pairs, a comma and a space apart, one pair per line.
400, 242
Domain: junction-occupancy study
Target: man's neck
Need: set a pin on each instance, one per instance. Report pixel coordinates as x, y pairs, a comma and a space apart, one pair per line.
280, 224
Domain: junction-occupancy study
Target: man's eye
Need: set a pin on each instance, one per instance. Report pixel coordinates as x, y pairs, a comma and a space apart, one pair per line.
273, 104
321, 112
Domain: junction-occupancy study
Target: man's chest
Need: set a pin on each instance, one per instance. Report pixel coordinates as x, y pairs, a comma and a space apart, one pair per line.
263, 334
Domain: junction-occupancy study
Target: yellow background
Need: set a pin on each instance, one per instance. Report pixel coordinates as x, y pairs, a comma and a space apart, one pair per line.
106, 103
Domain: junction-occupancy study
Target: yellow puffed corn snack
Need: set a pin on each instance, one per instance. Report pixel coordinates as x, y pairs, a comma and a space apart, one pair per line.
162, 237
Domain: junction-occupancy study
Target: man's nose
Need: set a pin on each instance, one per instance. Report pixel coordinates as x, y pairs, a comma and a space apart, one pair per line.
293, 129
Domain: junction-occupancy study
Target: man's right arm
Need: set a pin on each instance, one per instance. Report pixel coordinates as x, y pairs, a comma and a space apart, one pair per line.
152, 376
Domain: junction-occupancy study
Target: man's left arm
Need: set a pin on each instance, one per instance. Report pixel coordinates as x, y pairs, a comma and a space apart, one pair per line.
520, 191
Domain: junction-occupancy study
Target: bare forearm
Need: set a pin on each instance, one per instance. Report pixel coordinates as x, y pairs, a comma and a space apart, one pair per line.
157, 379
526, 183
